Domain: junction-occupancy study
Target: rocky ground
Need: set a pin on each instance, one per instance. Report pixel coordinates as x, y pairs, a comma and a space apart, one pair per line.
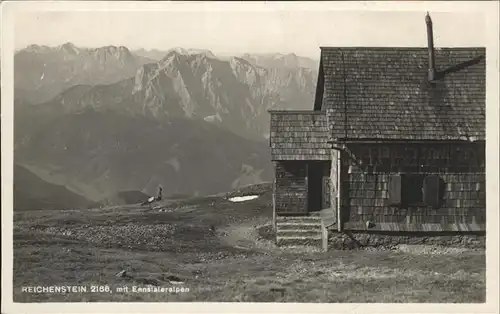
223, 251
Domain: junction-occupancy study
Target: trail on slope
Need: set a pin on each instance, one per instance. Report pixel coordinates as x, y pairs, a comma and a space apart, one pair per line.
245, 236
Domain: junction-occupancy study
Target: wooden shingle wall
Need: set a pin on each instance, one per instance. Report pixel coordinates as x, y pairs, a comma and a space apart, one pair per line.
290, 187
463, 208
299, 135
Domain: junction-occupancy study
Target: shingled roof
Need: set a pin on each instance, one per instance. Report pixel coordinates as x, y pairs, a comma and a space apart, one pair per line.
383, 93
299, 135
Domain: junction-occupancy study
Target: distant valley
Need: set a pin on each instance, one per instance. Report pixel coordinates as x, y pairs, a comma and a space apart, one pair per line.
102, 121
31, 192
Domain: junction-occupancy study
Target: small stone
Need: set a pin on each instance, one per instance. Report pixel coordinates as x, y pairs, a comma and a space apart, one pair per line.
281, 290
123, 273
173, 278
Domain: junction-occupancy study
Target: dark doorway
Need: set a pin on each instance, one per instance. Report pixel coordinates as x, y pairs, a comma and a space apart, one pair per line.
315, 185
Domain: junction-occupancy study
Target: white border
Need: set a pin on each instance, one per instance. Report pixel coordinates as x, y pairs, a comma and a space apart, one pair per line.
490, 9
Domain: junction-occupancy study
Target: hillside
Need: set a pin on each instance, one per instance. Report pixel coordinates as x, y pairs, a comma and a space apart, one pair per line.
126, 198
31, 192
100, 153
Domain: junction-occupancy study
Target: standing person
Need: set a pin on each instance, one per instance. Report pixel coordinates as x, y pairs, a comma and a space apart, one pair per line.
160, 194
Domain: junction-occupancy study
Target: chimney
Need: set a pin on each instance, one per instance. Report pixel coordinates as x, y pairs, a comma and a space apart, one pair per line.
430, 47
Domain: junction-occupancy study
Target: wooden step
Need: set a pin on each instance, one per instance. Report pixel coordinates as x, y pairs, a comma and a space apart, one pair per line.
298, 225
299, 217
306, 219
298, 233
299, 230
299, 241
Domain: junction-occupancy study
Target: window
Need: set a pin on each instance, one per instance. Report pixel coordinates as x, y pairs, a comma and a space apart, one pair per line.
415, 190
412, 193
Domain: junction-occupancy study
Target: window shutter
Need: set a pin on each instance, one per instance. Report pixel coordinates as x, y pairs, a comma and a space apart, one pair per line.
394, 190
431, 191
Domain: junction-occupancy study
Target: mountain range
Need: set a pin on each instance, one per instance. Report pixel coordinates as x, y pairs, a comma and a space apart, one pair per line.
100, 121
42, 72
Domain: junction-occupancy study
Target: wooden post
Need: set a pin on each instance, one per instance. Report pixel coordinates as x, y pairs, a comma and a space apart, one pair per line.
339, 198
324, 236
334, 180
307, 188
274, 204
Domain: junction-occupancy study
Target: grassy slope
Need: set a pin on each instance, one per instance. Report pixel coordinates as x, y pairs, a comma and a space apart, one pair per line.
214, 246
126, 198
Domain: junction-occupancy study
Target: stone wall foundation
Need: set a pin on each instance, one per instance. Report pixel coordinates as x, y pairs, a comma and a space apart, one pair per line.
348, 240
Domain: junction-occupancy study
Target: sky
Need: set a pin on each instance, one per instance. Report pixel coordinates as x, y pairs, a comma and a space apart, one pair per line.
236, 32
